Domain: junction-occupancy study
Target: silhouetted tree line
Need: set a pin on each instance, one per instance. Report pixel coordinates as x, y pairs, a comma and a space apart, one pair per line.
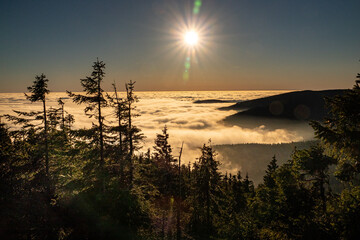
57, 182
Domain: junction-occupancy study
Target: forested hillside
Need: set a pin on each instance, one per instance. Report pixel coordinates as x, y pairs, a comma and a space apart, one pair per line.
299, 105
57, 182
252, 158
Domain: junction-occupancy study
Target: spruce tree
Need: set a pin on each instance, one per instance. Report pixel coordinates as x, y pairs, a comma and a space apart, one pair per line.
120, 108
162, 149
341, 131
133, 135
130, 99
314, 165
165, 181
66, 118
269, 180
206, 192
32, 160
38, 92
94, 98
95, 102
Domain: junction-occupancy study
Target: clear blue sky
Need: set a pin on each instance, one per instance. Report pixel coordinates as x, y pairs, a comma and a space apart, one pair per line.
246, 45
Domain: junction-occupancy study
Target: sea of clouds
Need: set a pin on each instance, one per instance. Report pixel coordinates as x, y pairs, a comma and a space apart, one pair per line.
188, 122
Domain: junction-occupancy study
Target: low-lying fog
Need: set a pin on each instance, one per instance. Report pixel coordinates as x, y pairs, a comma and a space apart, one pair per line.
192, 123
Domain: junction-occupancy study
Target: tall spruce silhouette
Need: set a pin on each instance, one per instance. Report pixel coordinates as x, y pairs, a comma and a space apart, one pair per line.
133, 135
269, 180
38, 92
130, 98
291, 203
95, 102
340, 131
314, 166
119, 105
166, 179
206, 184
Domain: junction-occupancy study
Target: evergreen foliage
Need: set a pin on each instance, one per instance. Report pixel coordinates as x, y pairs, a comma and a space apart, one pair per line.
341, 132
63, 183
95, 100
38, 93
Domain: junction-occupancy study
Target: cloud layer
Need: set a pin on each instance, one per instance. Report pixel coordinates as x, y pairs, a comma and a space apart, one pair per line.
193, 124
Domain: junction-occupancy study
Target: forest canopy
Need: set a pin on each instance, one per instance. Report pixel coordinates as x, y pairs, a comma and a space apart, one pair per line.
57, 182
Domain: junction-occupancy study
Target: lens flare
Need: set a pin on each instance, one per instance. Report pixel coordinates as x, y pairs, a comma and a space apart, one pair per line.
192, 34
191, 38
197, 5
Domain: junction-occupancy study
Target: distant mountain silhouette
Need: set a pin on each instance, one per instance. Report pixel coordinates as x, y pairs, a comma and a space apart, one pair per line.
299, 105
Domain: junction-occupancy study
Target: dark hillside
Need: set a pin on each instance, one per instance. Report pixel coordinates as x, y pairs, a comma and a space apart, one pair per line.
301, 105
253, 158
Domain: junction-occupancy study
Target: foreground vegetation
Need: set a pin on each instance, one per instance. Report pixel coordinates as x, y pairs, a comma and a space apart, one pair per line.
253, 158
61, 183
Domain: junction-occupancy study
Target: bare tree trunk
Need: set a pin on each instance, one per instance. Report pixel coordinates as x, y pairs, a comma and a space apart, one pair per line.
131, 150
48, 230
63, 117
46, 142
119, 119
101, 137
178, 215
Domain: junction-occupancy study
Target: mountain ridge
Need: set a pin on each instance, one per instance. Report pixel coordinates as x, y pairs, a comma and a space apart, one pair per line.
298, 105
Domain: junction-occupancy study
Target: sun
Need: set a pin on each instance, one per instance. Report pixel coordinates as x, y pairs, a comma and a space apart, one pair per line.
191, 38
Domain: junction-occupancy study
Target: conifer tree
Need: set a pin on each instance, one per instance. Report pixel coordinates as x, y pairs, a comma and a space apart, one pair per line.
165, 181
341, 131
66, 118
269, 180
162, 149
120, 107
179, 197
61, 103
94, 98
33, 165
133, 135
95, 102
206, 193
238, 192
59, 117
7, 176
313, 165
38, 93
130, 99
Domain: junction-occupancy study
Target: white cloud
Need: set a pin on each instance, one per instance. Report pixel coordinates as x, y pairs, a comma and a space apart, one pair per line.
192, 123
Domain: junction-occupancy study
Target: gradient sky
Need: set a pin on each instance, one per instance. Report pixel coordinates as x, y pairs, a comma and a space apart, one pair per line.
246, 44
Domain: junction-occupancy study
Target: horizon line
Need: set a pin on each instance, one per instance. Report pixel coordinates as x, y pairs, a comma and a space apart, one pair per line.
207, 90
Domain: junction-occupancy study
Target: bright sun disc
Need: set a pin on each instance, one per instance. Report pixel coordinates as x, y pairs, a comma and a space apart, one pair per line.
191, 38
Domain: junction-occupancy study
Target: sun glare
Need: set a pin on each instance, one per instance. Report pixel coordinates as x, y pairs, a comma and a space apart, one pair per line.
191, 38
